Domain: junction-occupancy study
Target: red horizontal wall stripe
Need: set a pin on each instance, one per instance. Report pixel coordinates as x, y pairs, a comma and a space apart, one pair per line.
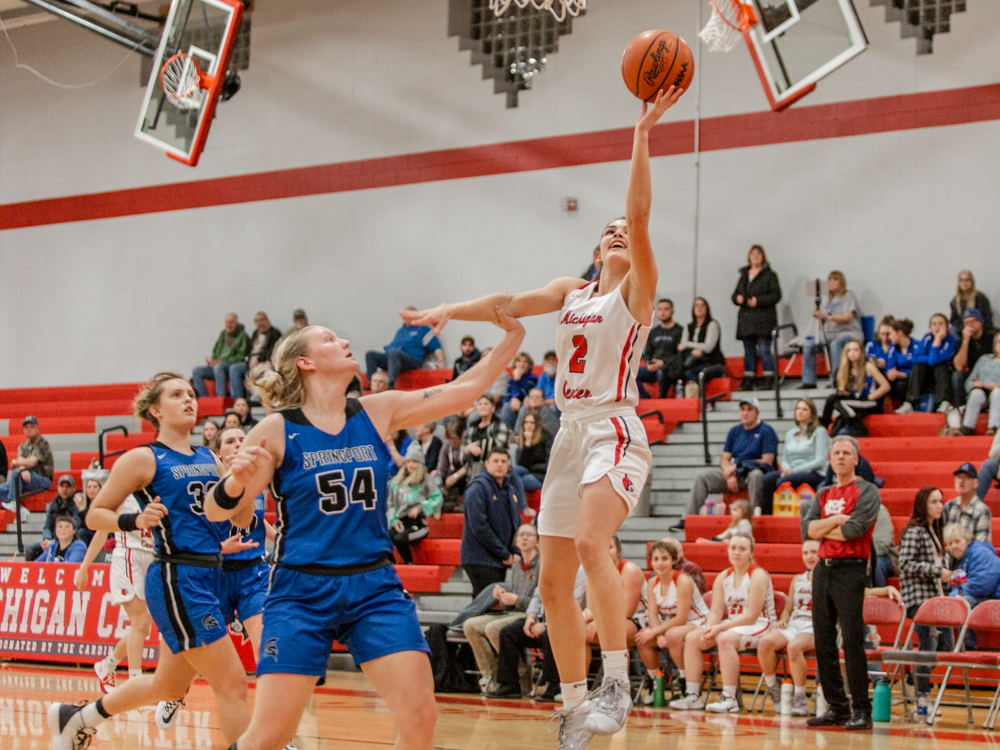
861, 117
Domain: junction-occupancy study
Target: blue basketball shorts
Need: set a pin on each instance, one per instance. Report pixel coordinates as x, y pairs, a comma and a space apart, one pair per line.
367, 613
243, 592
184, 603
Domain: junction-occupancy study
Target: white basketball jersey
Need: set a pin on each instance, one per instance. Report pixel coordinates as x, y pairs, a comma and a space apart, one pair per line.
599, 345
138, 539
802, 598
666, 602
737, 597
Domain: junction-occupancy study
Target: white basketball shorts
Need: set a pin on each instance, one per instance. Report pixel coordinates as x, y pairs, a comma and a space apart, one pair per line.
128, 574
751, 634
797, 627
585, 451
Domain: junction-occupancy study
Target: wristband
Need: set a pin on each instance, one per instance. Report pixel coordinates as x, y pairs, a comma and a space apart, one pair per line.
224, 500
126, 521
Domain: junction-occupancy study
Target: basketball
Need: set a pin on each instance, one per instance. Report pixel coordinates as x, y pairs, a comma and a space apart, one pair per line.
656, 60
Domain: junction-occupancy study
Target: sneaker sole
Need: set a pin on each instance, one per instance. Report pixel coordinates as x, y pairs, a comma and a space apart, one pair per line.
711, 710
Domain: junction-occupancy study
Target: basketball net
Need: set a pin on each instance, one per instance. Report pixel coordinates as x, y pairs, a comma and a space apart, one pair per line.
559, 8
181, 81
726, 26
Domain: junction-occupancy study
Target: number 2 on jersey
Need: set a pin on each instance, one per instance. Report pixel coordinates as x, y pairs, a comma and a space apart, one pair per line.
577, 361
333, 491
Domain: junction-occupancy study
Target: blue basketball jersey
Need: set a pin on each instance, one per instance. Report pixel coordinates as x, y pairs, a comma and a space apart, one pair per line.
182, 483
256, 531
331, 492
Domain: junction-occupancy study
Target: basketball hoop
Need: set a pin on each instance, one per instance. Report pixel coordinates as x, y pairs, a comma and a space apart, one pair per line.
183, 82
726, 26
559, 8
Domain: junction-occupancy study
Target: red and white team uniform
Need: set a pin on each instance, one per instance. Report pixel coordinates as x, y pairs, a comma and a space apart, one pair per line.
801, 619
665, 597
599, 344
131, 557
737, 597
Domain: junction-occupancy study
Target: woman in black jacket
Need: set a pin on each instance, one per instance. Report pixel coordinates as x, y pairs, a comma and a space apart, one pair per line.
757, 295
965, 297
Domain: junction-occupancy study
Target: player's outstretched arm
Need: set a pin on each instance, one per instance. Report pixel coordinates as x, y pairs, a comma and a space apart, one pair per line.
399, 410
537, 302
131, 473
643, 275
251, 470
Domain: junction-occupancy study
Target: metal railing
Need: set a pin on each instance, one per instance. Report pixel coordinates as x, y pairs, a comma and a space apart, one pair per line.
778, 377
102, 452
705, 402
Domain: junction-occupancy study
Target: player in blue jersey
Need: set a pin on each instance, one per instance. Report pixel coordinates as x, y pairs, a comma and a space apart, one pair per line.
170, 479
325, 458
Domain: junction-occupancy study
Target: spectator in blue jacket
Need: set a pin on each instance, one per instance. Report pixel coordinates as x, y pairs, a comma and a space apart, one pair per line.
981, 565
903, 354
877, 351
491, 521
522, 380
61, 505
547, 380
407, 351
932, 368
65, 547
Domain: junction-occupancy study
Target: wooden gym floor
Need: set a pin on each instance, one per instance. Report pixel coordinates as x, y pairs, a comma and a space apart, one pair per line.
346, 713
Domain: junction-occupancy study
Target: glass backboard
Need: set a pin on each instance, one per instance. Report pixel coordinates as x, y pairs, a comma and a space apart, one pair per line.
205, 30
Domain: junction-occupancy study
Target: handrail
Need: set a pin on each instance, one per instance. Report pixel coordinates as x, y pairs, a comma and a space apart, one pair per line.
659, 415
16, 484
704, 401
101, 451
777, 362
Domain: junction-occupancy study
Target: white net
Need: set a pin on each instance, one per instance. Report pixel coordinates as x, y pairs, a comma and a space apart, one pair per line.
181, 82
559, 8
724, 29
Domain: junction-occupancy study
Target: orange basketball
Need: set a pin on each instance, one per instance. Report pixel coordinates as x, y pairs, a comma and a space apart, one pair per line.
656, 60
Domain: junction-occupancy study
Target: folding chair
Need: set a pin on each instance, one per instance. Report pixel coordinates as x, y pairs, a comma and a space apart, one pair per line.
985, 618
939, 612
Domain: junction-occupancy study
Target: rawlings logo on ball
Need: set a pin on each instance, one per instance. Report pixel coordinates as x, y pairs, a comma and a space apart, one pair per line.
659, 62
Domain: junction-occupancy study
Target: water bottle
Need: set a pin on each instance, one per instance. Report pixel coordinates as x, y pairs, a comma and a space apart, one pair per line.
679, 389
882, 702
709, 509
821, 705
787, 690
922, 708
658, 686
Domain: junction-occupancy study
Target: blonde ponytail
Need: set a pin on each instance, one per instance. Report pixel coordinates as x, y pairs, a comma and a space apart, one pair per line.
283, 387
150, 396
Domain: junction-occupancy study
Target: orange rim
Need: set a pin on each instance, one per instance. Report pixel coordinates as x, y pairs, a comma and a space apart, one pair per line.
194, 62
744, 15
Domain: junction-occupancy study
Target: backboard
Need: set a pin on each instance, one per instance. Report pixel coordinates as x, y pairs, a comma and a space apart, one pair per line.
798, 42
206, 31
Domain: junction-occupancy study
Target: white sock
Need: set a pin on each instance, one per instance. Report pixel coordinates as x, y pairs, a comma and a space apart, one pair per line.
112, 661
573, 693
692, 687
800, 690
770, 679
729, 691
134, 673
615, 665
91, 716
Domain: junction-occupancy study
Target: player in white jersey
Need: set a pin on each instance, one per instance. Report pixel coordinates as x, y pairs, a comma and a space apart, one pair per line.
742, 611
130, 559
794, 633
600, 457
675, 608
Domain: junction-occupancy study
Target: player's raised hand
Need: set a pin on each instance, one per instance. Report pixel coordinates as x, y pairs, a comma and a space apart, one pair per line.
250, 460
665, 99
435, 317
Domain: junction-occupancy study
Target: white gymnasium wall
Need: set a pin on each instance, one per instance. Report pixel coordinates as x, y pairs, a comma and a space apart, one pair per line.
900, 213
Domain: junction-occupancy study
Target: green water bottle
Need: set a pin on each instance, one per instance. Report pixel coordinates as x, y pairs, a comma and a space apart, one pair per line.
882, 702
658, 685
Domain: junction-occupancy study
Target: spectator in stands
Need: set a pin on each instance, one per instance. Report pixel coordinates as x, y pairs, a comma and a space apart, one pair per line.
979, 562
804, 456
633, 583
535, 404
932, 370
861, 388
664, 363
83, 502
794, 633
470, 355
61, 505
841, 318
903, 354
299, 319
34, 463
534, 447
231, 420
741, 612
749, 451
491, 520
547, 380
407, 351
975, 343
227, 362
452, 467
4, 466
686, 566
700, 344
413, 495
675, 608
757, 294
496, 391
263, 341
397, 444
990, 469
967, 297
923, 573
378, 382
886, 552
967, 509
210, 434
483, 631
65, 547
877, 351
429, 443
983, 389
522, 380
242, 409
740, 522
355, 389
483, 435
